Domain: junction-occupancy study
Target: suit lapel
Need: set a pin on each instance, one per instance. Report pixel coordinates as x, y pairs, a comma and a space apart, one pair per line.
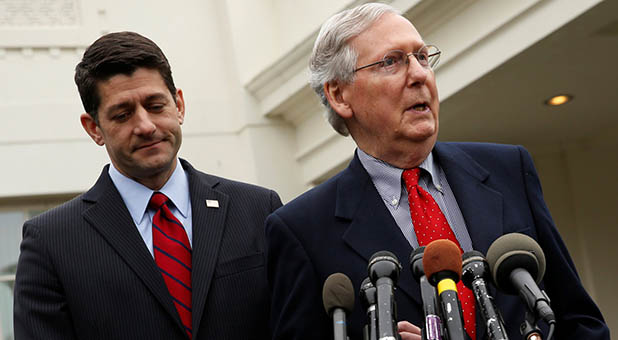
110, 217
480, 205
372, 227
208, 226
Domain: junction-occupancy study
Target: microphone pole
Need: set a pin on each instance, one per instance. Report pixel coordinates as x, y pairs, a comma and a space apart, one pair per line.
475, 273
384, 271
338, 299
433, 323
368, 301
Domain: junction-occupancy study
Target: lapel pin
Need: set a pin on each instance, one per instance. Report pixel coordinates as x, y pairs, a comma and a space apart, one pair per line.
212, 203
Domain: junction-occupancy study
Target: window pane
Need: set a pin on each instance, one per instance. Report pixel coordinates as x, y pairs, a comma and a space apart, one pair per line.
6, 310
11, 223
10, 237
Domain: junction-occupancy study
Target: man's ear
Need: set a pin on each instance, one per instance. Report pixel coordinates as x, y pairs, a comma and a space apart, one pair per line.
334, 94
92, 129
180, 106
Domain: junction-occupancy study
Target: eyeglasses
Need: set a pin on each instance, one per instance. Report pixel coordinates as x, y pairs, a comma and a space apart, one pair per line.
427, 56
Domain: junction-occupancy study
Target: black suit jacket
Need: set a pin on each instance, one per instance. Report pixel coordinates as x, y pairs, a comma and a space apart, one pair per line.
84, 271
340, 224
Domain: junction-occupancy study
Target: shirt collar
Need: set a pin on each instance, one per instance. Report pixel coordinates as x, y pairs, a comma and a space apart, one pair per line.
387, 178
430, 165
136, 196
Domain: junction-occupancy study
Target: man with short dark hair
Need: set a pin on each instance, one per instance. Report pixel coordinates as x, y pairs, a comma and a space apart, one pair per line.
373, 72
155, 249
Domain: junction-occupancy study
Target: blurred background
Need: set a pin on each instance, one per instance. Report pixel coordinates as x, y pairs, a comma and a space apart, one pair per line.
251, 116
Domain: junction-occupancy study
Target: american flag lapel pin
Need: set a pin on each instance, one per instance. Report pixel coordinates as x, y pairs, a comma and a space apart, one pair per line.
212, 204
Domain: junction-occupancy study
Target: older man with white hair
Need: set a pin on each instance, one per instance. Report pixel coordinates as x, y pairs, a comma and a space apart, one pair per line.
374, 73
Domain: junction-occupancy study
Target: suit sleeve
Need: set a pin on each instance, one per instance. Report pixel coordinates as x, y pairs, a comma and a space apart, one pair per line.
294, 286
577, 315
40, 305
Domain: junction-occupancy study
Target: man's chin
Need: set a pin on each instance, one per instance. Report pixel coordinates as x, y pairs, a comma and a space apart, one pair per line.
154, 167
428, 136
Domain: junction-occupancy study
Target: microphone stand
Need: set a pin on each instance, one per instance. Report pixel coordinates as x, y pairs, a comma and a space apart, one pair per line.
529, 329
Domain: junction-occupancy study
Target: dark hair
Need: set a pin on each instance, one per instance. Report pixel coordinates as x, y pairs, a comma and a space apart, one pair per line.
117, 53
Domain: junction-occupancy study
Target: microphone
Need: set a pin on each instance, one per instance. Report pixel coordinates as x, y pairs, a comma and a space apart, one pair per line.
475, 272
517, 265
368, 301
384, 271
433, 323
442, 264
338, 298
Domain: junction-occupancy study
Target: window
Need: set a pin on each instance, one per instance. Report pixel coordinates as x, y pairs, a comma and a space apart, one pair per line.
13, 214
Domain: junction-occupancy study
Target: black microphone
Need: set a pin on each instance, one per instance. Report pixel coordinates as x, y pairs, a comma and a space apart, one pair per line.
338, 298
475, 272
433, 323
517, 265
368, 301
442, 264
384, 271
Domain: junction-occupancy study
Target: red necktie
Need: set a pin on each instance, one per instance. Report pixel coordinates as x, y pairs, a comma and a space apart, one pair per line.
430, 224
172, 252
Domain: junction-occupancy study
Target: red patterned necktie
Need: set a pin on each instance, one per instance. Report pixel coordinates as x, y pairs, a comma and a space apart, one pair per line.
430, 224
172, 252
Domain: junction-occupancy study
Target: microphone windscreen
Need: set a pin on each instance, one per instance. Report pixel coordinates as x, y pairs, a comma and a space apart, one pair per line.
338, 292
442, 256
470, 256
367, 293
383, 264
383, 255
512, 251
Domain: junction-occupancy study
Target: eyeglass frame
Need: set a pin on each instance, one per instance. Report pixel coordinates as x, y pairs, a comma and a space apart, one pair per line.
415, 54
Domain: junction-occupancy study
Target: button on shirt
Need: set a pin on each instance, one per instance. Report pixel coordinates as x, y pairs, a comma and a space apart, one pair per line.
389, 184
136, 197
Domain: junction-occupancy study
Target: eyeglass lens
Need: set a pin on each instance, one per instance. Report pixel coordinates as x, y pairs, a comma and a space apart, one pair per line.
427, 56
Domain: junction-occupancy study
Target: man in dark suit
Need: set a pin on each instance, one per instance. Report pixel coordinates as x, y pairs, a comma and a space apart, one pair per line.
374, 74
115, 263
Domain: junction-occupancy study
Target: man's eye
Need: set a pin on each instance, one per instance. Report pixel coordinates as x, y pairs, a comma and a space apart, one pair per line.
422, 56
156, 107
121, 116
390, 61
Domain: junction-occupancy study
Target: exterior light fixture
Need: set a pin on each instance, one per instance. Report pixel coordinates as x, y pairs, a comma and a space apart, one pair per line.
559, 100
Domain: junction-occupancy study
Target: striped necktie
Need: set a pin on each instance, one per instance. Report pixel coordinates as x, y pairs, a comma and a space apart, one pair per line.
430, 224
172, 252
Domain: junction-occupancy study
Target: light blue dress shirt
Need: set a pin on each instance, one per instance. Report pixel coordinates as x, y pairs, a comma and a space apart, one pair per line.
389, 184
136, 197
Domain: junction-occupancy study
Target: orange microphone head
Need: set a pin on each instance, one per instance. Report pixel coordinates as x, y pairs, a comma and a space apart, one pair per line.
442, 260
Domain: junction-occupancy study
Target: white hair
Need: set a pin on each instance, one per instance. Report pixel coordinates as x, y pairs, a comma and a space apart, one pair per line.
333, 59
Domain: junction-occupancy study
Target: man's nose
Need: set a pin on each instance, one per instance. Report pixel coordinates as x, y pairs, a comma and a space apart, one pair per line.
417, 73
144, 124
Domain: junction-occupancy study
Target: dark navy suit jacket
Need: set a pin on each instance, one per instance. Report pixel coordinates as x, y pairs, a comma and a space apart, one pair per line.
84, 271
338, 225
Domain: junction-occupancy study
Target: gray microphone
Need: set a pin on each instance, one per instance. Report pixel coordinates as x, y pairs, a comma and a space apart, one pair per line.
338, 299
431, 309
517, 265
384, 268
368, 301
475, 273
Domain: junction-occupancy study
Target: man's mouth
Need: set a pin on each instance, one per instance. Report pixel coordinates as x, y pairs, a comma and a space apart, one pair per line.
147, 145
421, 107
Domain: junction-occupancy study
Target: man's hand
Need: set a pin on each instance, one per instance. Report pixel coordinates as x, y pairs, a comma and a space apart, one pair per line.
408, 331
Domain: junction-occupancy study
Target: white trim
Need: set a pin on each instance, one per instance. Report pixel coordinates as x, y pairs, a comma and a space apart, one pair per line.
7, 278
